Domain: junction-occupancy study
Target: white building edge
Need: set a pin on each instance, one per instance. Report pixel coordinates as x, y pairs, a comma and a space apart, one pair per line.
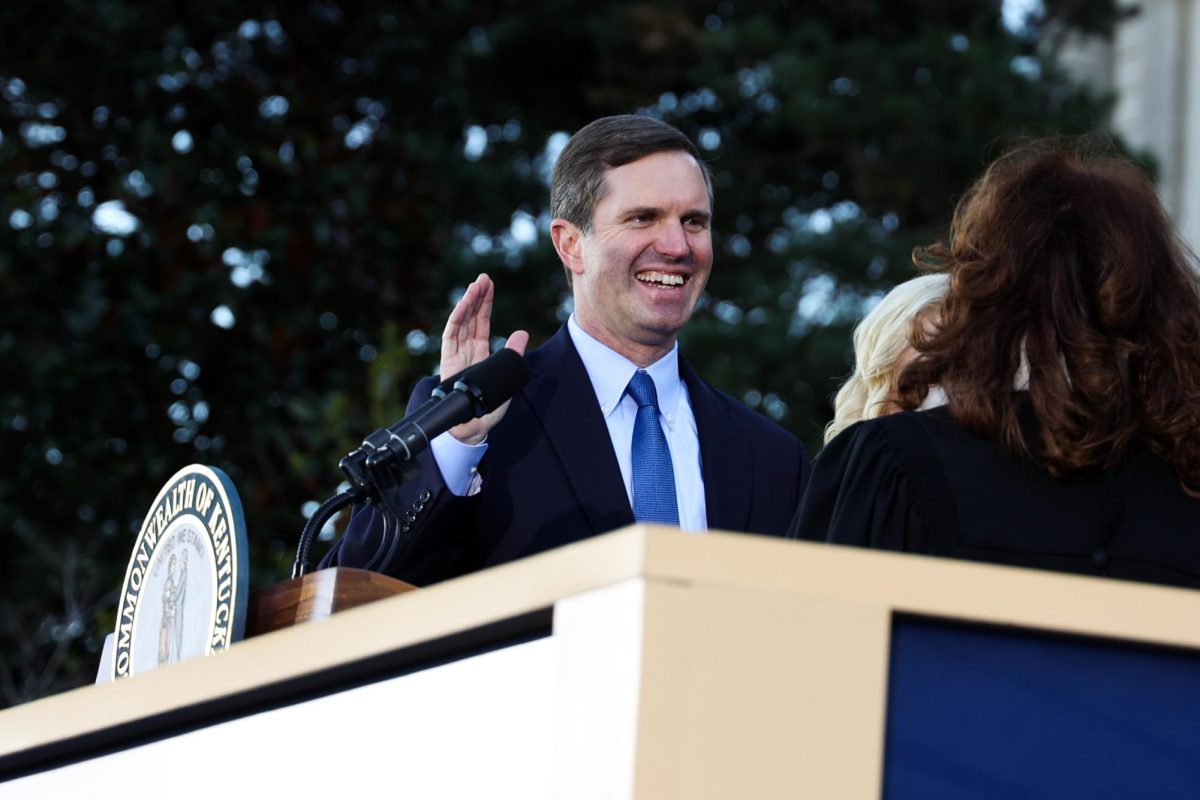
1153, 65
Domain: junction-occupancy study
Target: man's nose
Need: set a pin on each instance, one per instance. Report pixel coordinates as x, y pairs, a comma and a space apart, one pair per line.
672, 240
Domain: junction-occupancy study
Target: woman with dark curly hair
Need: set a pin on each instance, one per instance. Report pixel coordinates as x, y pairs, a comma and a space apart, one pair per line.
1068, 352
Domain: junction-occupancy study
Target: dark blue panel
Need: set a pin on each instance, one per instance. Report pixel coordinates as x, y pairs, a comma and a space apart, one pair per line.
983, 712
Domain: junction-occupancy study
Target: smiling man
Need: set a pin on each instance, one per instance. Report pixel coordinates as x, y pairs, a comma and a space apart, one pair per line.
639, 260
614, 426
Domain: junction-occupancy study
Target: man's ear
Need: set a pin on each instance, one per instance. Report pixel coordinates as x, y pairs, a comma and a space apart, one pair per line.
568, 243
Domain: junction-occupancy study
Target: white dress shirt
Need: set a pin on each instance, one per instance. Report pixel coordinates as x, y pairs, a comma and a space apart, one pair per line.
610, 373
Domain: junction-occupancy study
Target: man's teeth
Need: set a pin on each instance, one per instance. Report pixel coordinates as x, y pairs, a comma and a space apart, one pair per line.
660, 277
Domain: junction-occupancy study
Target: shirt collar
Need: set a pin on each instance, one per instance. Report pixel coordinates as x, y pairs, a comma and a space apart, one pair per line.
610, 373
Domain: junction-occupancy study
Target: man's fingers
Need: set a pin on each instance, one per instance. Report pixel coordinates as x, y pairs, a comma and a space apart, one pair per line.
483, 313
461, 313
468, 329
518, 341
472, 314
464, 324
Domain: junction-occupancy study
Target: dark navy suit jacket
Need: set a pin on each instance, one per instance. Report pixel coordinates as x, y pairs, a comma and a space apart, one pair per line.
551, 478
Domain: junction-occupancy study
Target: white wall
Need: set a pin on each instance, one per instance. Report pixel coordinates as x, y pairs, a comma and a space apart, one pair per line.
1153, 66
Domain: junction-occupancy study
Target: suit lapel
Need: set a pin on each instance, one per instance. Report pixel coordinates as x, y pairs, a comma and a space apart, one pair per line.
725, 458
561, 396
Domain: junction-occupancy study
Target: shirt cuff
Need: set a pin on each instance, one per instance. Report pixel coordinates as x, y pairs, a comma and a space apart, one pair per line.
458, 463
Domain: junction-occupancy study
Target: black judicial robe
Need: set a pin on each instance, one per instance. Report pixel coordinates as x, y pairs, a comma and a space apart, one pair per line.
919, 482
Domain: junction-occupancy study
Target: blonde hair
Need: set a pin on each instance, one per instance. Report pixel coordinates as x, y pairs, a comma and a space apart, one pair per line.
880, 341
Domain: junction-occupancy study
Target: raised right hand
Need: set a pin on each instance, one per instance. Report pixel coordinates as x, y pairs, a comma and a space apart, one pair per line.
466, 340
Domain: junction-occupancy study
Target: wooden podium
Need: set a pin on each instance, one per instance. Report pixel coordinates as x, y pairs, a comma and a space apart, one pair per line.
651, 663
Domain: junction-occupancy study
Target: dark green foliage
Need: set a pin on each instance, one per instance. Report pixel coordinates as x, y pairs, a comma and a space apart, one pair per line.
319, 170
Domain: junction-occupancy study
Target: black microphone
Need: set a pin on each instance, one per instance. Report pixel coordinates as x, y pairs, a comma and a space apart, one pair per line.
477, 390
353, 466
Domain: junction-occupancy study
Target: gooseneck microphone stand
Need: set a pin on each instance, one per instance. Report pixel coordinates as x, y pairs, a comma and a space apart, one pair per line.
316, 522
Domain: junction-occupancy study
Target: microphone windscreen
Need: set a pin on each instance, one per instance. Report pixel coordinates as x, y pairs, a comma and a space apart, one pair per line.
498, 377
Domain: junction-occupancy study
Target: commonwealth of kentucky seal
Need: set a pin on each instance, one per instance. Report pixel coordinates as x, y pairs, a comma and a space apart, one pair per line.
184, 592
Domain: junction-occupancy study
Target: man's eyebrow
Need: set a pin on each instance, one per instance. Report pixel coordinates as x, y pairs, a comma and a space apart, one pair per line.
655, 211
650, 211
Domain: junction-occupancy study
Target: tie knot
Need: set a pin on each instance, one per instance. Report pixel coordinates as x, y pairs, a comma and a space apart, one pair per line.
641, 389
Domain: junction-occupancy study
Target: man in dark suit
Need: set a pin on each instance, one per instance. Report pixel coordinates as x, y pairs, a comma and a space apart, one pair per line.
614, 426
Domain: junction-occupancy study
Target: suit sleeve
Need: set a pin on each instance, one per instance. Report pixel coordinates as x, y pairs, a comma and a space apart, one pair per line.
790, 470
422, 546
859, 493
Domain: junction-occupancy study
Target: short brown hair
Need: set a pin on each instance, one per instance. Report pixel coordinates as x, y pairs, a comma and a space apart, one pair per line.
1062, 254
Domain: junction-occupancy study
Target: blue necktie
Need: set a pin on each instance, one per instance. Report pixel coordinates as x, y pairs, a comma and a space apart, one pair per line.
653, 475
